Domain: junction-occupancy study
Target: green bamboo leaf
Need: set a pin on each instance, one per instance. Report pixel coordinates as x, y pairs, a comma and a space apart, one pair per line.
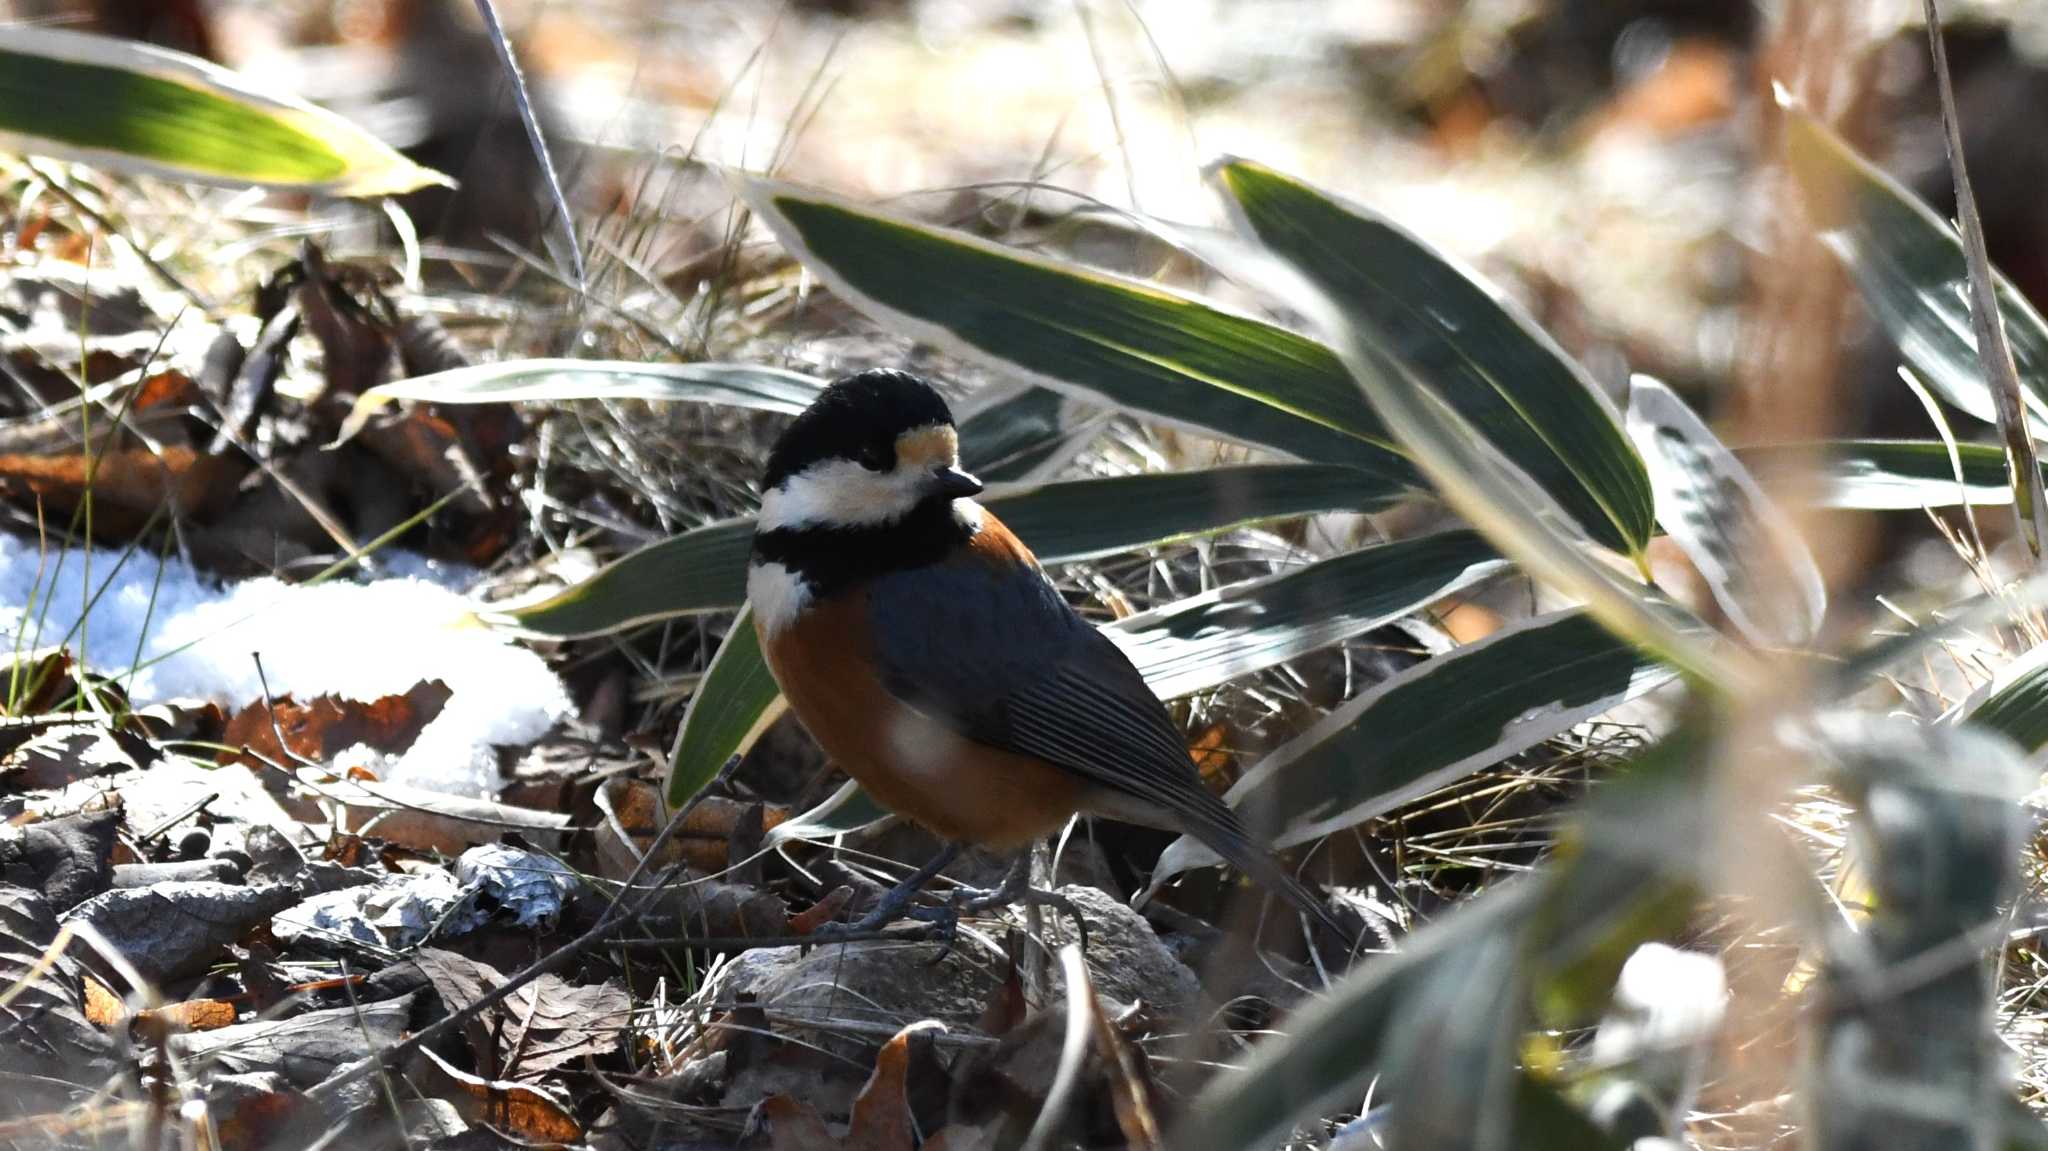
1753, 560
1889, 475
1451, 1051
1072, 329
1431, 725
1473, 346
846, 810
2015, 704
133, 107
702, 570
1335, 1045
1024, 436
1492, 493
1562, 919
509, 381
734, 704
1909, 264
1203, 641
705, 569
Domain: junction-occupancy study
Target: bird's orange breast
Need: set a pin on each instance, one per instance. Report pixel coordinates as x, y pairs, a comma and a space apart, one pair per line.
961, 790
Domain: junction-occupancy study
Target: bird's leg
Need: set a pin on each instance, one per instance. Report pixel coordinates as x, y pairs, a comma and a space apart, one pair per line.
1016, 888
896, 902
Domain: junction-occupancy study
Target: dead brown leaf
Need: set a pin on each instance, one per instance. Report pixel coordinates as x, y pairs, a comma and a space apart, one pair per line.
555, 1025
105, 1009
128, 485
704, 841
881, 1112
822, 912
327, 725
515, 1108
793, 1125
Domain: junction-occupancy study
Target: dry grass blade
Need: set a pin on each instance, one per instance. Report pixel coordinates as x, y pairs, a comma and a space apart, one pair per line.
2030, 506
1080, 1034
533, 134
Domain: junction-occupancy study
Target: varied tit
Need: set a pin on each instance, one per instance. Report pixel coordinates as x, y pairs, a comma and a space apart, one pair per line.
921, 645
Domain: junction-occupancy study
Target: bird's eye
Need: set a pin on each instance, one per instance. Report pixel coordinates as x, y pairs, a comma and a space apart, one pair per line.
877, 457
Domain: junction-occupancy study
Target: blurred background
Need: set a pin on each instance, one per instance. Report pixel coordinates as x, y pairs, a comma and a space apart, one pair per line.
1609, 163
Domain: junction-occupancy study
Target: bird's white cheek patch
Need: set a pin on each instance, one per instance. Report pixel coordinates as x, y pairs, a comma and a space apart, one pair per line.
778, 595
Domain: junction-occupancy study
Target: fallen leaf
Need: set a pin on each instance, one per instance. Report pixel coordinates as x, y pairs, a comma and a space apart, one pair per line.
516, 1108
64, 755
881, 1112
69, 859
180, 928
553, 1025
251, 1111
822, 912
327, 725
127, 485
792, 1125
306, 1048
1007, 1006
47, 1046
704, 841
165, 389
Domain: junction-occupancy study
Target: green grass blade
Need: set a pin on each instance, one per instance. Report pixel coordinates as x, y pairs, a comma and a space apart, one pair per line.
705, 569
133, 107
509, 381
1432, 725
1068, 328
1197, 643
1471, 345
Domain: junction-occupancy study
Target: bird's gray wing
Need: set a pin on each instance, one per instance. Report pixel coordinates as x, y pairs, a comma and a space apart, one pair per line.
1001, 659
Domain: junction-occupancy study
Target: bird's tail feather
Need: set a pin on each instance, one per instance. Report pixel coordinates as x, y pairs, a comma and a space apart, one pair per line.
1225, 834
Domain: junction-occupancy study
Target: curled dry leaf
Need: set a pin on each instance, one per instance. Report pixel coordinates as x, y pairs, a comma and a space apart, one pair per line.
881, 1119
326, 725
881, 1112
703, 842
517, 1109
106, 1009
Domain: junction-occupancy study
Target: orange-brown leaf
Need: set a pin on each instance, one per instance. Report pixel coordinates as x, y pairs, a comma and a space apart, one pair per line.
326, 725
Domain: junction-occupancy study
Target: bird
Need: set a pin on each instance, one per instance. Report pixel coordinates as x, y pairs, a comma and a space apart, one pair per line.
922, 646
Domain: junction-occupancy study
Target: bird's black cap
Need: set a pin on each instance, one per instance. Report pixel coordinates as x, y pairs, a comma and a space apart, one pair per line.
855, 417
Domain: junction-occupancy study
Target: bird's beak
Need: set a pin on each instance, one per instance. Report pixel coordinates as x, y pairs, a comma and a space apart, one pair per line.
954, 483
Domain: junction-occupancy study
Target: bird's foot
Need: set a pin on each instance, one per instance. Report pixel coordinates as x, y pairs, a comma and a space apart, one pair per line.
1016, 889
899, 902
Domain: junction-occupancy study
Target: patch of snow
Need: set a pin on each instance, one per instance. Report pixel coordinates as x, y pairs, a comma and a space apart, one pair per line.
355, 640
